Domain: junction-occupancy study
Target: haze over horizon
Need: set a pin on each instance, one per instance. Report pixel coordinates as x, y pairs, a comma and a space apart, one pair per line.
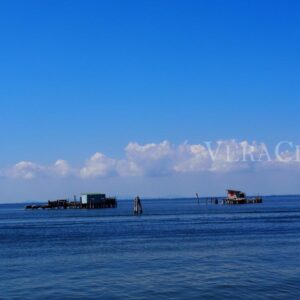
120, 97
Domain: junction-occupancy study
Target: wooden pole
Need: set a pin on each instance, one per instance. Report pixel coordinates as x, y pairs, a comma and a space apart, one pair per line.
137, 206
198, 200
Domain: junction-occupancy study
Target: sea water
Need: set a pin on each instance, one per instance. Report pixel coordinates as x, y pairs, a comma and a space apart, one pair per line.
176, 250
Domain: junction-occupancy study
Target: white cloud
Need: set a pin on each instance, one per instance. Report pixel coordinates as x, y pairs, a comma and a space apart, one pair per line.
61, 168
148, 160
98, 165
128, 168
191, 158
161, 159
30, 170
24, 170
233, 155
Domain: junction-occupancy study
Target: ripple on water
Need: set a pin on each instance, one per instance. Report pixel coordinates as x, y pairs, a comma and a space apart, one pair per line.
176, 250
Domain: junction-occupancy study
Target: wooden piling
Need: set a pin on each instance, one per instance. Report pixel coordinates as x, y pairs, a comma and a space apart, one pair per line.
198, 200
137, 206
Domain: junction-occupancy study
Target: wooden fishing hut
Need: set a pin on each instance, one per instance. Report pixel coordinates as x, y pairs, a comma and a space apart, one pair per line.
97, 200
87, 200
238, 197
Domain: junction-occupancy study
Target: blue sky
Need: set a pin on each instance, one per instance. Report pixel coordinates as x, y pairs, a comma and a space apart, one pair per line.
81, 77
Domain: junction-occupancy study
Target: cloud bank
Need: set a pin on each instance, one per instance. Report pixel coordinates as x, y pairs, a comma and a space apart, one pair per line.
163, 159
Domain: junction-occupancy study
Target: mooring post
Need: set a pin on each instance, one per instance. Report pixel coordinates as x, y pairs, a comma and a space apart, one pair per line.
75, 202
137, 206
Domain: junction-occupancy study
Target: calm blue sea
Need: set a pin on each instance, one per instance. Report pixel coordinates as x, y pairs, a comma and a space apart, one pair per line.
175, 250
